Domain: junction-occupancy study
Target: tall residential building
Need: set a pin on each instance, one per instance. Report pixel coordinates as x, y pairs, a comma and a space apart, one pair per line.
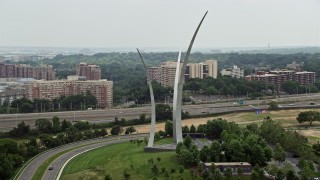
165, 73
279, 76
235, 71
26, 71
91, 71
101, 89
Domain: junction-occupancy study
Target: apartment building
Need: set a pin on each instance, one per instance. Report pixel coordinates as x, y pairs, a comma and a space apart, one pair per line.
26, 71
91, 71
101, 89
235, 71
277, 77
165, 73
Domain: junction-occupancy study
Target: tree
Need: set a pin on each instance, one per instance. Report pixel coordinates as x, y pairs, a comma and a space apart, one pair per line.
26, 108
215, 151
193, 129
82, 125
308, 116
107, 177
186, 157
215, 127
23, 105
72, 134
169, 128
280, 175
291, 175
185, 129
204, 152
218, 175
21, 130
228, 173
290, 87
273, 105
179, 147
6, 167
65, 124
130, 130
44, 125
187, 141
240, 171
279, 153
205, 174
163, 112
103, 132
155, 169
56, 124
116, 130
201, 128
257, 173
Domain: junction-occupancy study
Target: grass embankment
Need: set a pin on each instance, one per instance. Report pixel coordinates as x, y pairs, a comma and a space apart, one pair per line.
114, 159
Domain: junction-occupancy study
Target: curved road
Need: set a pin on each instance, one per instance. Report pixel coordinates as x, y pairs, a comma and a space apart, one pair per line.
31, 168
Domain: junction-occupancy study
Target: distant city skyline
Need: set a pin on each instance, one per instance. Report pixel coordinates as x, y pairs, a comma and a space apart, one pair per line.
161, 24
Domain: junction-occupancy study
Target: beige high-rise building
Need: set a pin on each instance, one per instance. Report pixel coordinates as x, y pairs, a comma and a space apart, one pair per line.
165, 73
101, 89
235, 71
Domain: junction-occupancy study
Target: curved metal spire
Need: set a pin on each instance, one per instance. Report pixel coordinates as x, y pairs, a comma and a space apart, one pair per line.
178, 129
153, 106
175, 115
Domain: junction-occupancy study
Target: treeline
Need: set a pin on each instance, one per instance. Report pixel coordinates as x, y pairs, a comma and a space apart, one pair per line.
64, 103
230, 86
293, 87
225, 85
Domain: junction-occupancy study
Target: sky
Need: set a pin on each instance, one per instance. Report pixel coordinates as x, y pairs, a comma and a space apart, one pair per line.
159, 23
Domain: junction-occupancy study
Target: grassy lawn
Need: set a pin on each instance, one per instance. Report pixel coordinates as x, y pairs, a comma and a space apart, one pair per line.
167, 140
114, 159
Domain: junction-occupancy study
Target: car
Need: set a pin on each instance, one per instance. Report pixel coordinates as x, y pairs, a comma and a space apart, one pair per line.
50, 167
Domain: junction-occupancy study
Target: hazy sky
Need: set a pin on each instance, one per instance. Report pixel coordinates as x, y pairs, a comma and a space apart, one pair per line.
159, 23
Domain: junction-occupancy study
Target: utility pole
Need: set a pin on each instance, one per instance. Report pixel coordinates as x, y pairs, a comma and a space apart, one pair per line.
17, 115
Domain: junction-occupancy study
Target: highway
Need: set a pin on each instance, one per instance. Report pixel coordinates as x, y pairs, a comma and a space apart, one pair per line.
76, 147
9, 121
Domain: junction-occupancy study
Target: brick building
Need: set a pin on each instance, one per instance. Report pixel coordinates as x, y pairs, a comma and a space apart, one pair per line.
101, 89
91, 71
280, 76
26, 71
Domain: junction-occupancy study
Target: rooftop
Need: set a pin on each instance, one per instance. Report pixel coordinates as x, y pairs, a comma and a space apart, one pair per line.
228, 164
